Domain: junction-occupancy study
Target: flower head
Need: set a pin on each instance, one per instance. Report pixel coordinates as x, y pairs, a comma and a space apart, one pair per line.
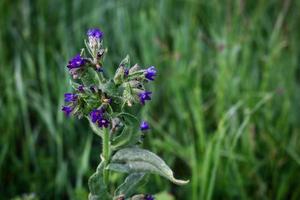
95, 33
67, 110
149, 197
103, 123
145, 95
150, 73
126, 72
69, 97
97, 116
144, 126
80, 88
76, 62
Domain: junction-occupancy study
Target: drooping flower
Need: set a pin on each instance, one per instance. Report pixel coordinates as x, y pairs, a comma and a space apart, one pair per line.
144, 126
150, 73
76, 62
67, 110
69, 97
95, 33
144, 96
149, 197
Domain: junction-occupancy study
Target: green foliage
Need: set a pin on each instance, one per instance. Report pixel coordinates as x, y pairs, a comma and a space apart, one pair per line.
218, 61
98, 189
130, 184
136, 160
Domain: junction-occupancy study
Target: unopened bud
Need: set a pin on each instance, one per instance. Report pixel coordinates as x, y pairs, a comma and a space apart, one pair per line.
134, 68
119, 76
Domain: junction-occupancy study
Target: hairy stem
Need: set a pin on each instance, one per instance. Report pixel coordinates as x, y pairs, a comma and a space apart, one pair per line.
106, 154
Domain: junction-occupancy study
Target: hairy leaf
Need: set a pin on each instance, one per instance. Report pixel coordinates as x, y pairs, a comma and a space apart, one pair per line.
130, 184
131, 160
90, 77
98, 131
125, 62
98, 190
129, 135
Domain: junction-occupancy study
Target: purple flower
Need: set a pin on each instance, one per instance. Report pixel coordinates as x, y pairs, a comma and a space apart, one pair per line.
69, 97
95, 33
97, 116
150, 73
149, 197
67, 110
103, 123
80, 88
76, 62
144, 96
126, 72
144, 126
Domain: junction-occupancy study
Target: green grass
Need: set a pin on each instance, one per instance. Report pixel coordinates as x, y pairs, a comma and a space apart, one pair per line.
226, 105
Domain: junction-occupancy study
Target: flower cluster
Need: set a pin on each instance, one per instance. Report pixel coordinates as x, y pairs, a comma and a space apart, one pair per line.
129, 80
111, 105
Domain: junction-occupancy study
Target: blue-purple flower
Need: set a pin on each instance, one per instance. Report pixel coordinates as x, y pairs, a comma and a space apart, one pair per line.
67, 110
80, 88
149, 197
144, 126
97, 116
76, 62
103, 123
95, 33
69, 97
150, 73
144, 96
126, 72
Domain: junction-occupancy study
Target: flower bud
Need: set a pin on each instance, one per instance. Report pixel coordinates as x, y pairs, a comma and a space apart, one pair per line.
135, 68
119, 75
135, 84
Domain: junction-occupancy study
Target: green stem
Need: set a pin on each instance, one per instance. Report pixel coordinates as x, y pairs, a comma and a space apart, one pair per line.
106, 154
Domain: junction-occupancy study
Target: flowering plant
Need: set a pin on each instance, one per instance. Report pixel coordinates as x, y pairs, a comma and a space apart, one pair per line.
109, 105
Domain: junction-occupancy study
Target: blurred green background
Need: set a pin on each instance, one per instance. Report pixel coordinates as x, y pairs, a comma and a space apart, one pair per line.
226, 108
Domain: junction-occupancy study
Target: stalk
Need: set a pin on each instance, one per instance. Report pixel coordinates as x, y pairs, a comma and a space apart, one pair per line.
106, 154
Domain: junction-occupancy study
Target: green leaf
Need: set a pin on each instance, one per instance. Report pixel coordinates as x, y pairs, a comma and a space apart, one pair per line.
90, 77
131, 182
129, 135
98, 131
119, 75
98, 189
123, 139
136, 160
125, 62
110, 88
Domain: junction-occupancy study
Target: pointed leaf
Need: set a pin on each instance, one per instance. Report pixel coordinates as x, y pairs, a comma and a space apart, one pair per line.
125, 62
132, 160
